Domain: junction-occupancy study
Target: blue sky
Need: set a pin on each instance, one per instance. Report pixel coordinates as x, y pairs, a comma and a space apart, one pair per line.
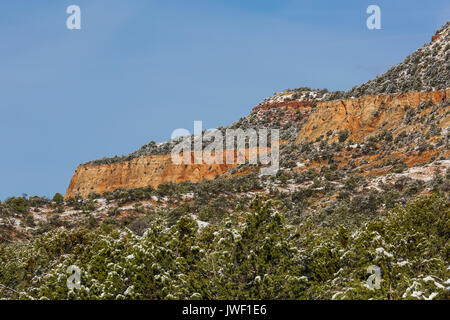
139, 69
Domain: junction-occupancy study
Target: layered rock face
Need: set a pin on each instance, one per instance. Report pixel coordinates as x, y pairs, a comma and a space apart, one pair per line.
142, 172
137, 173
372, 114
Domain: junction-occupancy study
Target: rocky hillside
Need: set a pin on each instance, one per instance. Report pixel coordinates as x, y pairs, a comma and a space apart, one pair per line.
426, 69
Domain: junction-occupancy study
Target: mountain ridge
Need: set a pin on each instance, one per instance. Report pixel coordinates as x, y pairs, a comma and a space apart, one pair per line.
360, 116
427, 69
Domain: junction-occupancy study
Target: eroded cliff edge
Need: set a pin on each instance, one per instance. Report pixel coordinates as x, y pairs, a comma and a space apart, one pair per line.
137, 173
373, 114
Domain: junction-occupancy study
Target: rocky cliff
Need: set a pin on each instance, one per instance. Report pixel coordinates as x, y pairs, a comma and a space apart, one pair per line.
372, 114
141, 172
136, 173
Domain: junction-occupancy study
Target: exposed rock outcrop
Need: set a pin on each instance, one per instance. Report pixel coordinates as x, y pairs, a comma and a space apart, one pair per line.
136, 173
371, 114
142, 172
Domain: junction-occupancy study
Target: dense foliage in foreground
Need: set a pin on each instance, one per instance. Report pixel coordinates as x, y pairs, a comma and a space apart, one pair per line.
250, 255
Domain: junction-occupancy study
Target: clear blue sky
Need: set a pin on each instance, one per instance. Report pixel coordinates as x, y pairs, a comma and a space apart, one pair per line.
139, 69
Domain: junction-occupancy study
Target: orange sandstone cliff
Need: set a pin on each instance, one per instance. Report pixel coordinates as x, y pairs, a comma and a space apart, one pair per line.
142, 172
368, 115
